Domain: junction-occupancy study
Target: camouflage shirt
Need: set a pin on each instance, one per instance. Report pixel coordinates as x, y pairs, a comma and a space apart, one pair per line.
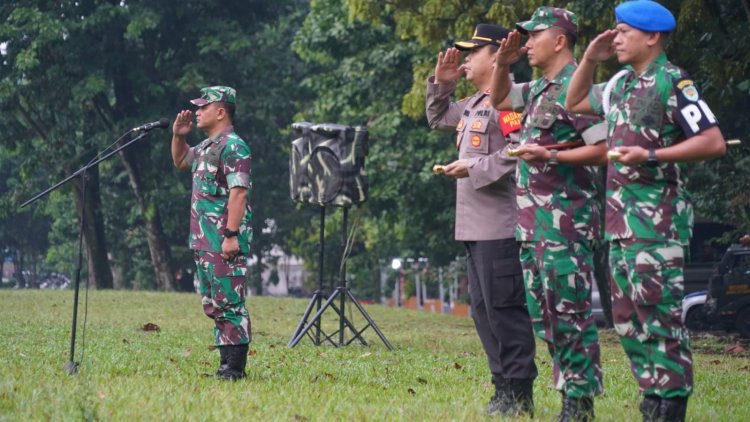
555, 202
218, 164
649, 110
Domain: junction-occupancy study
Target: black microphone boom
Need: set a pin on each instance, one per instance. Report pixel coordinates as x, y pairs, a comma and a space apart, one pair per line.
162, 123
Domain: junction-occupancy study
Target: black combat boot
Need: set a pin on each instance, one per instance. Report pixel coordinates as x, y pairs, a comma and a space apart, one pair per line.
576, 410
236, 361
650, 408
520, 398
499, 402
222, 362
673, 410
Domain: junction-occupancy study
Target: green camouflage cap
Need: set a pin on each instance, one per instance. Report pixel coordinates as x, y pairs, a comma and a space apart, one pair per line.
546, 17
211, 94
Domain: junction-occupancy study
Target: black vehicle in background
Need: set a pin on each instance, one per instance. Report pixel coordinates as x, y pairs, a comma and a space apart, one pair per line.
728, 300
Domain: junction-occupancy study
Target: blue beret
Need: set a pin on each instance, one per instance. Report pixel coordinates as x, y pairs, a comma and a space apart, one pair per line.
645, 15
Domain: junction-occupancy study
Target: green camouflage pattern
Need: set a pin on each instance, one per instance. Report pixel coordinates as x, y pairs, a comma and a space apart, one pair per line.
645, 202
647, 290
556, 203
218, 164
327, 164
558, 278
221, 285
546, 17
212, 94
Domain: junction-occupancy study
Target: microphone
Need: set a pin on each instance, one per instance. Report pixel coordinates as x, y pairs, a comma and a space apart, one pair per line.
162, 123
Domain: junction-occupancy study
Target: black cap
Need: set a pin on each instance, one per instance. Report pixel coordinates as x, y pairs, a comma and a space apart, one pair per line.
484, 34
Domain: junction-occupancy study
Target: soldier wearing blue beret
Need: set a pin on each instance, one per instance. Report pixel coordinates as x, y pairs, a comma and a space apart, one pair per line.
657, 122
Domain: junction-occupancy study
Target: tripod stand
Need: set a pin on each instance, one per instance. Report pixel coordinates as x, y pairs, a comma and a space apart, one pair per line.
71, 367
343, 293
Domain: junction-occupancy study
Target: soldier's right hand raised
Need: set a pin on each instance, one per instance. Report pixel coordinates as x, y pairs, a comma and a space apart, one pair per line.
183, 123
448, 68
602, 47
510, 50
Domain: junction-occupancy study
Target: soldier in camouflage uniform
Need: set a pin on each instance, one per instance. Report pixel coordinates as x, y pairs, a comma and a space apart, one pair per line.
657, 122
220, 220
558, 212
486, 215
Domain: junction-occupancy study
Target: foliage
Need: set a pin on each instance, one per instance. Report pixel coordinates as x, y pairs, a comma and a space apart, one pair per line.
76, 75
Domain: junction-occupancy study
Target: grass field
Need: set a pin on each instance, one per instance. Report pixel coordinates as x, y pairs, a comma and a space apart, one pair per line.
437, 371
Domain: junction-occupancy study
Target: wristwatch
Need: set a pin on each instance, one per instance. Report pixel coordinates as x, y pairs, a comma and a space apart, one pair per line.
230, 233
652, 161
553, 158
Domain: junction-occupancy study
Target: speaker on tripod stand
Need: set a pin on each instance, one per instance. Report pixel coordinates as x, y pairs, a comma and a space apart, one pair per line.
327, 168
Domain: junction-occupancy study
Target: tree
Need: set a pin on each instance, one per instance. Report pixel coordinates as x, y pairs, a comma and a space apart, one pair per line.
90, 70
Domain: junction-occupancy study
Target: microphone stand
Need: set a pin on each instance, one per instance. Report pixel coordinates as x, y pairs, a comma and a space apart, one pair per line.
72, 366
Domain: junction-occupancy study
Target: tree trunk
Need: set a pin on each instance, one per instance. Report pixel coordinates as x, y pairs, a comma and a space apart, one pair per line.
126, 106
18, 269
99, 272
157, 244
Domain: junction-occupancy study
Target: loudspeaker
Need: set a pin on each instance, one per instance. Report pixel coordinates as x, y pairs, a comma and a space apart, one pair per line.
327, 164
299, 156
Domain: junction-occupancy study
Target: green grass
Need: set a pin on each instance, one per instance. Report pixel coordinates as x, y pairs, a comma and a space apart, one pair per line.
437, 371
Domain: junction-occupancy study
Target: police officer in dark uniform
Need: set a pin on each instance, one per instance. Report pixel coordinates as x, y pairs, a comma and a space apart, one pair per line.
486, 215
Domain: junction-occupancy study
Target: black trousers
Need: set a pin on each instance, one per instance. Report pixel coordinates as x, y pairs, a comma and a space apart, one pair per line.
498, 307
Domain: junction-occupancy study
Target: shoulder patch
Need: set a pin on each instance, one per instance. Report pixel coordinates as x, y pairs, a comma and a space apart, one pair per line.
688, 90
693, 114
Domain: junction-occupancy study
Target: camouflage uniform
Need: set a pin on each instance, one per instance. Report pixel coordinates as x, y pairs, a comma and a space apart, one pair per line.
219, 164
558, 220
649, 219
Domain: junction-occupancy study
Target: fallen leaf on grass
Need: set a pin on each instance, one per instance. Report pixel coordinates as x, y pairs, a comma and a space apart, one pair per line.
205, 363
150, 326
457, 365
125, 341
322, 354
464, 354
252, 352
102, 396
716, 362
187, 352
734, 349
212, 347
421, 380
173, 360
299, 418
364, 355
330, 376
411, 391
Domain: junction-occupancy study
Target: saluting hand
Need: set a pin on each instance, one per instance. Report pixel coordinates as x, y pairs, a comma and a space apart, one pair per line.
183, 123
510, 50
448, 67
602, 47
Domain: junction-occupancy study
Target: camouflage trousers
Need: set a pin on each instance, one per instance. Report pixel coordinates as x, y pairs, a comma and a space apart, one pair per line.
221, 286
647, 290
558, 278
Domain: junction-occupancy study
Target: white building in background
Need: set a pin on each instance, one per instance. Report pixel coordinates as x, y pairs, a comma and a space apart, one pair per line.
291, 274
